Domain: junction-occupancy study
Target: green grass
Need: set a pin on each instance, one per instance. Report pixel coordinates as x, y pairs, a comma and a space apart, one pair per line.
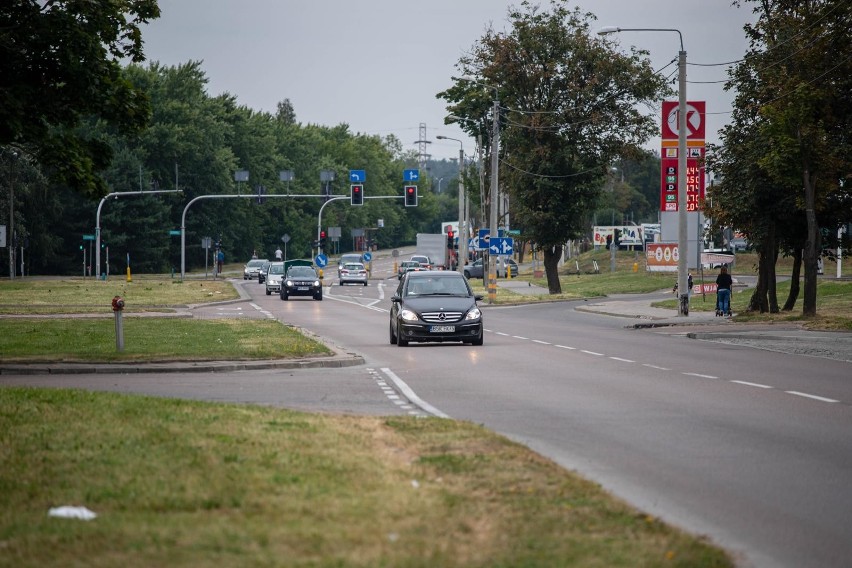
181, 483
151, 339
84, 296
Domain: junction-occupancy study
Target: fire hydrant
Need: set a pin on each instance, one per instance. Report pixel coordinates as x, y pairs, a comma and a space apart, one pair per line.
117, 308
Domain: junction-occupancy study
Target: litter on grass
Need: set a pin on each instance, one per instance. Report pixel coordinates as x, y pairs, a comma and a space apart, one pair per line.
70, 512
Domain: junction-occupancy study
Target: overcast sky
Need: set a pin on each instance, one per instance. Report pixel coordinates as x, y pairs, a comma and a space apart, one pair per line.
376, 65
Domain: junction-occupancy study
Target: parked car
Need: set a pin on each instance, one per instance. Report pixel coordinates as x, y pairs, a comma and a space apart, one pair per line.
261, 275
424, 261
274, 275
476, 269
301, 281
252, 268
353, 272
348, 257
407, 266
435, 306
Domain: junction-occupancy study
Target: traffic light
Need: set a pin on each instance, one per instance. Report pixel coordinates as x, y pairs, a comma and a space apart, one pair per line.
357, 195
322, 240
608, 241
450, 241
261, 191
411, 196
617, 239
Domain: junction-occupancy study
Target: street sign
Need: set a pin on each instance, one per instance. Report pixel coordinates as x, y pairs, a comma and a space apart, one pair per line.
321, 260
368, 257
357, 176
501, 245
174, 233
206, 242
285, 239
484, 237
411, 175
91, 237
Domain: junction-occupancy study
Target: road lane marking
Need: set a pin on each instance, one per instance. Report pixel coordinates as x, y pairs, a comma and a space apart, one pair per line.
655, 367
411, 395
699, 375
565, 347
595, 353
622, 360
748, 384
811, 396
519, 337
541, 342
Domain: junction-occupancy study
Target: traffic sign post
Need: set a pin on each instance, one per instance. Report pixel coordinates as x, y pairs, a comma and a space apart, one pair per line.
411, 175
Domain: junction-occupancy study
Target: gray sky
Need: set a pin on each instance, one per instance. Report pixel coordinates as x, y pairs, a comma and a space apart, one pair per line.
376, 65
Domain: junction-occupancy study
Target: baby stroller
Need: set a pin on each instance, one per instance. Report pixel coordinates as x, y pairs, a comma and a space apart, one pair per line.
719, 312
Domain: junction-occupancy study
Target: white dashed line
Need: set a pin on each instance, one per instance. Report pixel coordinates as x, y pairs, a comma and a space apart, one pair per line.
622, 360
700, 376
655, 367
756, 385
519, 337
811, 396
565, 347
501, 333
595, 353
540, 342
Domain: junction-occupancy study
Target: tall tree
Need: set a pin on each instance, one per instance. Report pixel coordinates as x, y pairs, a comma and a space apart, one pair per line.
800, 73
60, 62
570, 106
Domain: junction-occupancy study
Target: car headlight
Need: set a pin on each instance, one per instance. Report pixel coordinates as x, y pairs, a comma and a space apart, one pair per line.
289, 283
316, 283
473, 314
408, 315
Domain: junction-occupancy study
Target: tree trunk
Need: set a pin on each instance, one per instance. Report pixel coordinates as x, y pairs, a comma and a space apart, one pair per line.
794, 282
552, 255
771, 278
765, 257
812, 247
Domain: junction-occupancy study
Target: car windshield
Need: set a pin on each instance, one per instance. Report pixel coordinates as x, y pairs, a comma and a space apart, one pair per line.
437, 286
302, 272
276, 269
255, 263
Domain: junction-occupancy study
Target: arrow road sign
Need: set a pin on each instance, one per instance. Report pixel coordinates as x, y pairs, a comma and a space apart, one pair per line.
411, 175
501, 245
356, 176
321, 260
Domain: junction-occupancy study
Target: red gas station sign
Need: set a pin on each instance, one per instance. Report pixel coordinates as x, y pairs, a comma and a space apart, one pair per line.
695, 148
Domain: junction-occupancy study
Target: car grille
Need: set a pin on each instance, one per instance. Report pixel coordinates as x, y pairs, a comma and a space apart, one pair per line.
441, 317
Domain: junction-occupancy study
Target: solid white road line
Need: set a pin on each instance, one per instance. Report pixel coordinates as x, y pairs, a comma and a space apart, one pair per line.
411, 395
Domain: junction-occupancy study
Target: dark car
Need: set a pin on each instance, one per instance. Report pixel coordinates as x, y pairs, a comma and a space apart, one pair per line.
476, 269
301, 281
435, 306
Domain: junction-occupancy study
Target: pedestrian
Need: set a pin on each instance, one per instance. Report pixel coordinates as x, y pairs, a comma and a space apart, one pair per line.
724, 282
689, 284
253, 254
278, 254
220, 260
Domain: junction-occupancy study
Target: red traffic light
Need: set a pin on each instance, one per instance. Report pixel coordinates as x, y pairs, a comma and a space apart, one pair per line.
322, 234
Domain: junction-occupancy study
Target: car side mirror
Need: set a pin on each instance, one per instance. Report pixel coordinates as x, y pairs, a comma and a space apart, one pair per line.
479, 297
395, 298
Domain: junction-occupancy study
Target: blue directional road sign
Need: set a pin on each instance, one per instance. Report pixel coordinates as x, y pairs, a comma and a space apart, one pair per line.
368, 257
357, 176
484, 236
321, 260
501, 245
411, 175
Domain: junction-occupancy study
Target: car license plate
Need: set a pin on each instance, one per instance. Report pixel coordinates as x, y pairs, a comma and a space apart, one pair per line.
442, 329
302, 288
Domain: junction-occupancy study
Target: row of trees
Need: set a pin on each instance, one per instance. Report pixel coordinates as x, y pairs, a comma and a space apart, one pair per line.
785, 161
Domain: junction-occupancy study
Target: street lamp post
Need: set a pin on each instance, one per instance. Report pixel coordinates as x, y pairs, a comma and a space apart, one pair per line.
682, 286
462, 229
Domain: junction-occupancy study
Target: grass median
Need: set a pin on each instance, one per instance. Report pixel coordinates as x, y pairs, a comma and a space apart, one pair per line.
183, 483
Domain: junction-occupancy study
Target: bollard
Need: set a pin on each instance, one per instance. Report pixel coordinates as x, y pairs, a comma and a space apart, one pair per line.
635, 267
117, 307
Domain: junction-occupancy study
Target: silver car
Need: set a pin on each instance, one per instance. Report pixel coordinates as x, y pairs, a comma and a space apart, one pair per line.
353, 272
252, 268
274, 274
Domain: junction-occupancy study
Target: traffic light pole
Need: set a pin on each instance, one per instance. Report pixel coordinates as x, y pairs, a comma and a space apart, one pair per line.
199, 198
98, 220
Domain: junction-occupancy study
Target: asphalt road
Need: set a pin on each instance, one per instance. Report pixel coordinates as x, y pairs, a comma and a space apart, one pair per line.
750, 447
